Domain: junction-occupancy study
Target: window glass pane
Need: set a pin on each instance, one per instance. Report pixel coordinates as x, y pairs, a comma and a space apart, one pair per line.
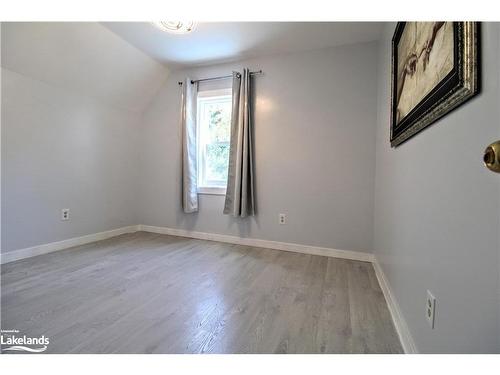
213, 142
217, 149
217, 159
219, 121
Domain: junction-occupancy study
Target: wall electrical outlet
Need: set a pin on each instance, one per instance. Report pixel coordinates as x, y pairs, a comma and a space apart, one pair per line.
65, 214
430, 309
282, 219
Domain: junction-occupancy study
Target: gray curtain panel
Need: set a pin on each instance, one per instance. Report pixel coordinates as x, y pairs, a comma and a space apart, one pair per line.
189, 168
240, 200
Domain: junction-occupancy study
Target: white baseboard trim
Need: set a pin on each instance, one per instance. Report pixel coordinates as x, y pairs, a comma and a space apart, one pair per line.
296, 248
402, 329
12, 256
29, 252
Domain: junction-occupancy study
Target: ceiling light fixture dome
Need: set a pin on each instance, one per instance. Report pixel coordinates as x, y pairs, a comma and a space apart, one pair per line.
175, 27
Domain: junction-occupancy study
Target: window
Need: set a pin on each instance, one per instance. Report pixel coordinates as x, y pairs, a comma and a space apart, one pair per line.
213, 130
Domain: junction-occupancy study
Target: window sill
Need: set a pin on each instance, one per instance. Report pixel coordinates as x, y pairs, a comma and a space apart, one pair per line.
212, 190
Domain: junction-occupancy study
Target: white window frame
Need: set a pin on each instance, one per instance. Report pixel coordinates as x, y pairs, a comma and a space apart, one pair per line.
215, 94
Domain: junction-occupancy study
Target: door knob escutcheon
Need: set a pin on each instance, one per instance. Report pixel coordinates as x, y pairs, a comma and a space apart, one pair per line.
491, 157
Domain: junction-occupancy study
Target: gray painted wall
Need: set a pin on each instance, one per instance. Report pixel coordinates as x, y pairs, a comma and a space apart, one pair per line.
437, 215
83, 57
314, 144
72, 100
63, 150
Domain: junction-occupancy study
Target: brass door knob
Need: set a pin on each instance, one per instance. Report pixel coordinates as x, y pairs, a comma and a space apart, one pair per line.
491, 157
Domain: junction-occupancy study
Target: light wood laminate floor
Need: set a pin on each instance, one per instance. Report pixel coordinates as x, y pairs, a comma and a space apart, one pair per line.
150, 293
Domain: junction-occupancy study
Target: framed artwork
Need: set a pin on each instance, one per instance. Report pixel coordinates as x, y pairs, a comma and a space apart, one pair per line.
434, 70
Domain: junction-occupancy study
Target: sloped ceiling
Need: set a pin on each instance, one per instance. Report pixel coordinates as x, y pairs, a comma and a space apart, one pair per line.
83, 57
215, 42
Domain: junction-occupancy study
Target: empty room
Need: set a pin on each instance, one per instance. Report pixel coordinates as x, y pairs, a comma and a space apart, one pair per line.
189, 187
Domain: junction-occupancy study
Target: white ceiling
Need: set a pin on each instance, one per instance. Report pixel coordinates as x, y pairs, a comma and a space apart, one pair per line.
82, 57
226, 41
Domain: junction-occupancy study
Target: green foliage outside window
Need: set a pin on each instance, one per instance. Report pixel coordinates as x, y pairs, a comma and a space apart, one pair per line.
217, 151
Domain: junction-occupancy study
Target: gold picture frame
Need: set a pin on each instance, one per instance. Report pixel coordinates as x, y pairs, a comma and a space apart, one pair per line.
445, 93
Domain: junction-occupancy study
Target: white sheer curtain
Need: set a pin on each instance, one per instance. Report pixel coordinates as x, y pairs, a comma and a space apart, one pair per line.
189, 167
240, 200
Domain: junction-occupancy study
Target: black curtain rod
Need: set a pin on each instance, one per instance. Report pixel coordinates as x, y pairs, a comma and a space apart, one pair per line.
220, 77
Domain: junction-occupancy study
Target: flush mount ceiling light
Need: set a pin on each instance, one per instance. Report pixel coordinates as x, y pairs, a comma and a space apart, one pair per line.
175, 27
